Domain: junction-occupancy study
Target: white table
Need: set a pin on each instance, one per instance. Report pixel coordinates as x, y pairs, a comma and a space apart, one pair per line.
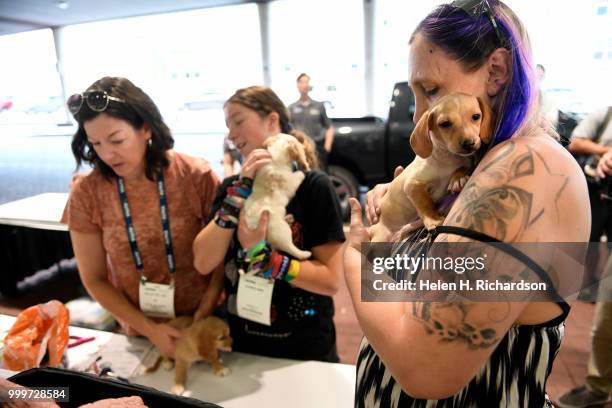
255, 381
42, 211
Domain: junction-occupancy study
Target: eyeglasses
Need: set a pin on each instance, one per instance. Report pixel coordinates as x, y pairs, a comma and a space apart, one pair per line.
97, 101
477, 8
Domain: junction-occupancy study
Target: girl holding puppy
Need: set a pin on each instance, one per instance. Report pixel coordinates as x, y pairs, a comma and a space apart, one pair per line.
298, 320
468, 353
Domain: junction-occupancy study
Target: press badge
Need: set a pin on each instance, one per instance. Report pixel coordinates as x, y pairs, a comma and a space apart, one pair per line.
156, 299
254, 298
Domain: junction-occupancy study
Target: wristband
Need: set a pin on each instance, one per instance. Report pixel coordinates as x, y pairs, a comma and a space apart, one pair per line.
281, 267
257, 249
237, 192
241, 188
294, 270
226, 219
261, 259
255, 257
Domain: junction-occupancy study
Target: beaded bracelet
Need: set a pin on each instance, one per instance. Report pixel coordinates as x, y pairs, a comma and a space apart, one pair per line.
237, 192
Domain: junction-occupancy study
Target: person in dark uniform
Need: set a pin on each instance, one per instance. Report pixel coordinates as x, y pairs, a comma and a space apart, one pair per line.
310, 117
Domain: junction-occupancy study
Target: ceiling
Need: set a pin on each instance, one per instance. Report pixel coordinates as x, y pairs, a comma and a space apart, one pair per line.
24, 15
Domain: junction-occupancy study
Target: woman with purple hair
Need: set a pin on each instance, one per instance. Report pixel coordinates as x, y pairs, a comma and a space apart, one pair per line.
444, 353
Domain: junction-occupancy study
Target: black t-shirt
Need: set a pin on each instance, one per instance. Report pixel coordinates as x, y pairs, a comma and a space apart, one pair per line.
311, 118
302, 322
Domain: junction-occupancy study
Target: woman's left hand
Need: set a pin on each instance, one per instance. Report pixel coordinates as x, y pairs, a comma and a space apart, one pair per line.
249, 237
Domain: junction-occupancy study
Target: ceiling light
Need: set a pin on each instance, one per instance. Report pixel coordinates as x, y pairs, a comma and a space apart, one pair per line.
62, 4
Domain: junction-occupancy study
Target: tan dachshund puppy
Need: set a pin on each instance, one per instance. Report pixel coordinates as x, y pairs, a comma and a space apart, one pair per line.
200, 341
444, 140
274, 185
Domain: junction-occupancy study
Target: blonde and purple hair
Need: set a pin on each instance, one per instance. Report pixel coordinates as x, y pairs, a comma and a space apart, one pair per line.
470, 37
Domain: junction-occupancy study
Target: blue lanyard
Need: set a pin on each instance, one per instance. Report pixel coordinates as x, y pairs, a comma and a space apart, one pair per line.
131, 232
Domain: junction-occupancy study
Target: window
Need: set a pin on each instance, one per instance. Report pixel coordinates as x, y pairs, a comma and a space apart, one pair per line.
188, 62
395, 21
325, 40
30, 91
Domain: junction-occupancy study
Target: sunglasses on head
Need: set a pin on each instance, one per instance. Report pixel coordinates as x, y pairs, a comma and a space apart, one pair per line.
477, 8
97, 101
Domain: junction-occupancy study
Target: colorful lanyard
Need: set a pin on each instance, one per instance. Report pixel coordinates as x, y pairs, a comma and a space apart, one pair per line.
131, 232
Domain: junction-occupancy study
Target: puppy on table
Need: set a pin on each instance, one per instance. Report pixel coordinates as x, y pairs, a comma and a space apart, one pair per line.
201, 341
445, 140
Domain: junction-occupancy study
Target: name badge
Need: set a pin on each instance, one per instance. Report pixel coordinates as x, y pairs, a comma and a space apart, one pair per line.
315, 112
156, 299
254, 298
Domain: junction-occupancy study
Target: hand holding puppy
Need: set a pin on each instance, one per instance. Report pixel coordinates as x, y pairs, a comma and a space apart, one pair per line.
165, 337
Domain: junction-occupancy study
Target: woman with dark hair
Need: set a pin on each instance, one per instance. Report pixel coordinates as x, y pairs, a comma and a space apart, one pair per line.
133, 219
296, 319
447, 353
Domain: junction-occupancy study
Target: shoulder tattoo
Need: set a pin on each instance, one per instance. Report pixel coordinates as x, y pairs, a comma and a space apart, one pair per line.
494, 204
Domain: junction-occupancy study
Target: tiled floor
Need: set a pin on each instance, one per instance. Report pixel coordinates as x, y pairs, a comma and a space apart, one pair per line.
569, 369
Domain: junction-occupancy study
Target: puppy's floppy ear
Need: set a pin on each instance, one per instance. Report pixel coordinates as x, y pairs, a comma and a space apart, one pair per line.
269, 141
487, 120
419, 139
296, 152
207, 343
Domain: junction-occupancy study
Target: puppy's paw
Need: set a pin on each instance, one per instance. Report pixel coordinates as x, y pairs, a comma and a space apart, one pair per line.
223, 372
168, 364
458, 179
431, 223
456, 184
178, 389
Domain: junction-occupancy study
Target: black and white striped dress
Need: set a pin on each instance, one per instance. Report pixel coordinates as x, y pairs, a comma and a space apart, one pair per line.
514, 376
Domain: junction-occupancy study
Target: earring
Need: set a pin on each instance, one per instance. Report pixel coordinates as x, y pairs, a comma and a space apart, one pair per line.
150, 142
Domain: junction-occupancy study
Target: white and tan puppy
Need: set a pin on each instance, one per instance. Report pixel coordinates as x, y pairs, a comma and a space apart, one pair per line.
274, 185
444, 140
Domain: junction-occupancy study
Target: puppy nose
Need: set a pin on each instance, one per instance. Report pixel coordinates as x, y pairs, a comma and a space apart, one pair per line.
468, 144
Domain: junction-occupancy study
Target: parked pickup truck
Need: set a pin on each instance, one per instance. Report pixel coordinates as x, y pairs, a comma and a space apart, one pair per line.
367, 150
